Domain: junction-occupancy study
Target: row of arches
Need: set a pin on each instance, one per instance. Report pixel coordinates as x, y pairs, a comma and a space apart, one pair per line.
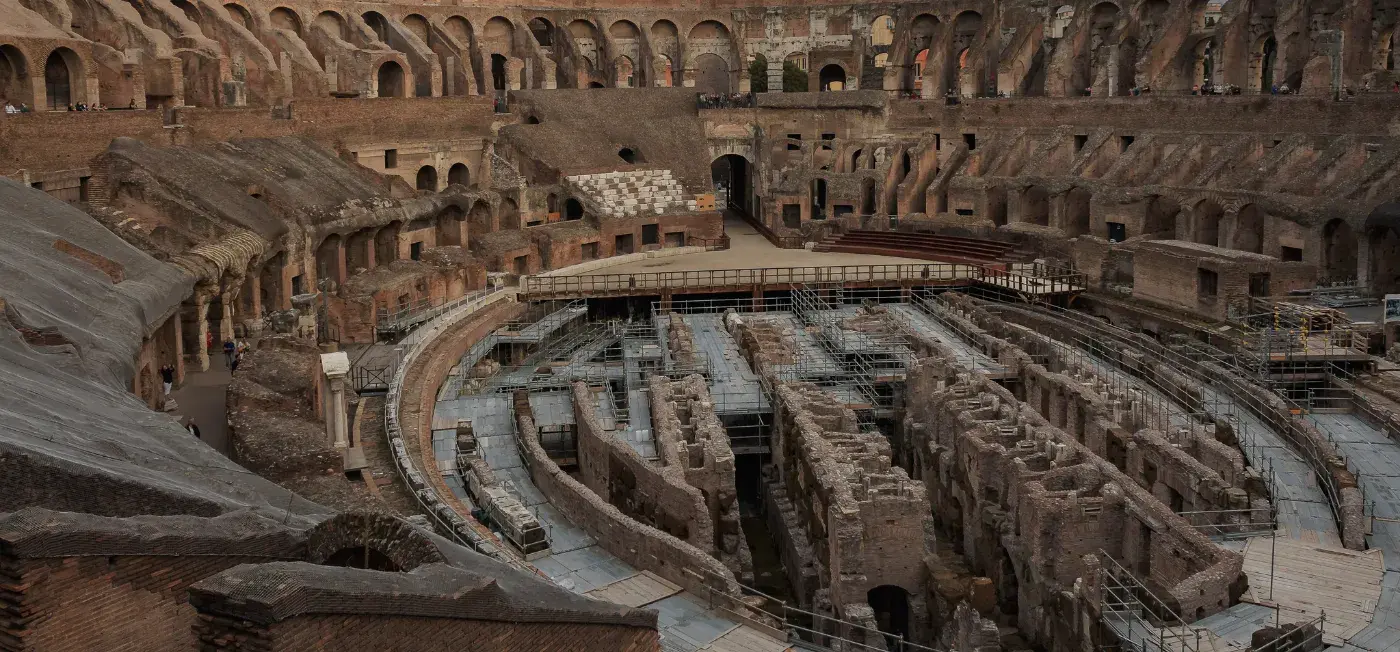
63, 76
427, 177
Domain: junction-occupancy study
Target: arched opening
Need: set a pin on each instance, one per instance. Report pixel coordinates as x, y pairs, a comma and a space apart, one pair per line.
359, 248
391, 80
499, 34
1077, 219
14, 76
270, 287
543, 32
891, 606
573, 209
1385, 49
498, 72
328, 260
855, 161
882, 30
450, 222
1264, 61
1035, 206
386, 243
628, 154
1207, 221
362, 557
377, 24
626, 72
427, 178
1384, 244
1203, 64
795, 73
667, 72
758, 74
286, 19
60, 69
731, 177
1249, 229
479, 218
1161, 218
1206, 217
509, 215
867, 197
963, 81
1338, 251
818, 198
711, 74
239, 15
532, 119
460, 175
1064, 15
996, 205
596, 85
832, 77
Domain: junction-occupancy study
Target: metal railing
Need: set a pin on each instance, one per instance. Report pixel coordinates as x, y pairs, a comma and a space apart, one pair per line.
1142, 621
1028, 279
777, 617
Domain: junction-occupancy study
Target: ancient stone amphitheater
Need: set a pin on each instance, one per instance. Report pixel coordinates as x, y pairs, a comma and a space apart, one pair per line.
724, 325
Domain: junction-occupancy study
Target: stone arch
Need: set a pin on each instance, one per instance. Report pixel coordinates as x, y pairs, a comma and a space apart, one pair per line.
1383, 57
542, 30
734, 173
891, 606
882, 30
1060, 20
333, 23
1077, 217
389, 80
386, 541
499, 77
63, 79
426, 179
14, 76
1035, 206
386, 243
285, 18
665, 71
449, 223
1161, 217
625, 72
624, 29
1263, 63
359, 249
965, 73
239, 14
855, 160
832, 78
499, 36
1205, 218
378, 24
1339, 251
459, 174
417, 24
1383, 243
711, 74
1249, 229
479, 218
573, 209
867, 197
1202, 64
508, 216
459, 28
328, 259
922, 30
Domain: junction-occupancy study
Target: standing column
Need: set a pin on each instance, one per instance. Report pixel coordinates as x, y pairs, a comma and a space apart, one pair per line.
334, 369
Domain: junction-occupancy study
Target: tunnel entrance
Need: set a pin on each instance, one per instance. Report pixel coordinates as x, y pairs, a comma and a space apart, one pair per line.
363, 557
891, 605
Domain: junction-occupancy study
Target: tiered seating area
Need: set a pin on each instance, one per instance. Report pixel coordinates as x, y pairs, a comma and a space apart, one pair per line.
634, 193
926, 246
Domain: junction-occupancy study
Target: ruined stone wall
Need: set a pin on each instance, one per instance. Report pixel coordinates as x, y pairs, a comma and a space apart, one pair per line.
632, 541
315, 631
1170, 276
657, 495
689, 436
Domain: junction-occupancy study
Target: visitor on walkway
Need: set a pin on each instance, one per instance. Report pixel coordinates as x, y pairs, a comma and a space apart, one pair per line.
189, 425
237, 358
167, 378
229, 350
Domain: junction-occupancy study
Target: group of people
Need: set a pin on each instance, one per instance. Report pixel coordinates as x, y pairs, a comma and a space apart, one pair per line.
11, 109
726, 100
233, 353
80, 106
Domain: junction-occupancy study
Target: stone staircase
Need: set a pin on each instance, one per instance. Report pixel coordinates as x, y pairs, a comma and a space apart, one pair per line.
634, 193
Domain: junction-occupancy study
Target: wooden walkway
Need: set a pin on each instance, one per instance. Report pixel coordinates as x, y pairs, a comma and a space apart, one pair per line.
1309, 580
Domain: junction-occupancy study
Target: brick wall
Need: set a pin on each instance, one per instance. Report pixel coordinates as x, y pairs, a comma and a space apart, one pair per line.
105, 603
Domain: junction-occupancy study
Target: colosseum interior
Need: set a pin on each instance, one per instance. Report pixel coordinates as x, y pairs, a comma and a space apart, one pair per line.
728, 326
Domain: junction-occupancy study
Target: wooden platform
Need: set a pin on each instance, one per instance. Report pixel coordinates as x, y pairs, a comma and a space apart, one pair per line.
1309, 580
638, 590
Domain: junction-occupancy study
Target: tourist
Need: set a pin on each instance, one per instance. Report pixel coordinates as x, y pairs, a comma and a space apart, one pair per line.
237, 358
193, 429
167, 377
229, 349
131, 105
1284, 89
24, 108
10, 109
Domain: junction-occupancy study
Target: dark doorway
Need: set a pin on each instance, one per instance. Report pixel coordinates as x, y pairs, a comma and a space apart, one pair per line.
58, 82
731, 178
818, 199
891, 605
651, 234
832, 78
627, 154
427, 178
1117, 232
459, 175
391, 82
498, 72
622, 244
867, 197
573, 209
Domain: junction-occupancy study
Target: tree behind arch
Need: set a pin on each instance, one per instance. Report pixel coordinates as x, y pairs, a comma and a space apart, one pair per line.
794, 78
758, 74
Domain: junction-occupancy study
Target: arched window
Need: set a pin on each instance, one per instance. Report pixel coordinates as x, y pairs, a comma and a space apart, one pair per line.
459, 174
833, 78
427, 178
61, 68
